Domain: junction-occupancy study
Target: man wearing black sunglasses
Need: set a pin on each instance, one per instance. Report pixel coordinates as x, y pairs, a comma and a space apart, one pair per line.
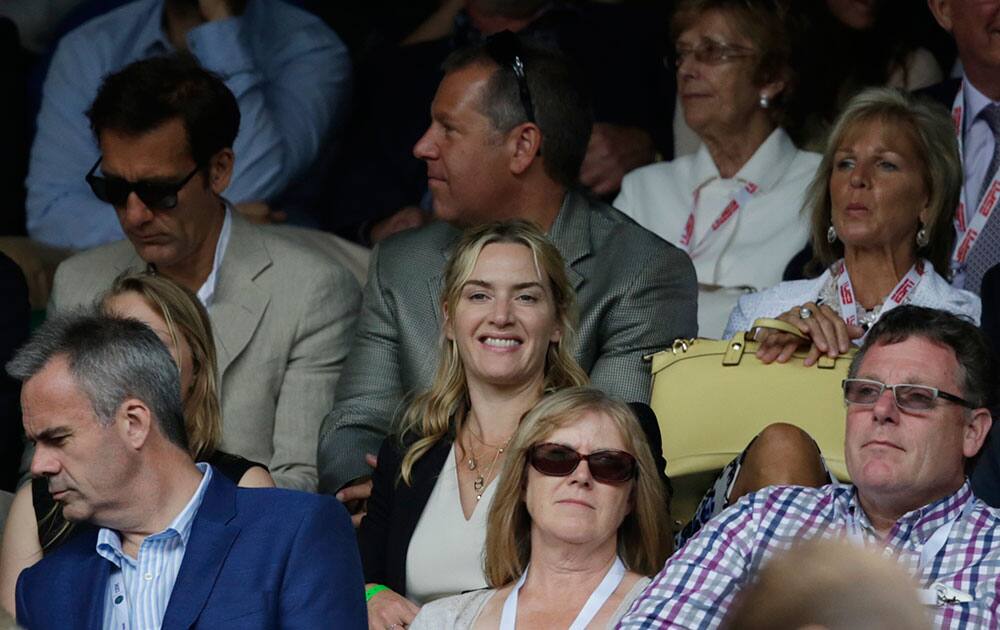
510, 126
281, 312
916, 401
290, 73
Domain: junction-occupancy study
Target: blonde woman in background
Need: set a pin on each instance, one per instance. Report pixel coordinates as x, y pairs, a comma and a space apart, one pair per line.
35, 525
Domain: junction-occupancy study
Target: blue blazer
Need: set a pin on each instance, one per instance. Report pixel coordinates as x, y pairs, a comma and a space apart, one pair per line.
256, 558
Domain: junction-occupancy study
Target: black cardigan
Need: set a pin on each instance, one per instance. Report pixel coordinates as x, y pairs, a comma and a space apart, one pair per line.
394, 510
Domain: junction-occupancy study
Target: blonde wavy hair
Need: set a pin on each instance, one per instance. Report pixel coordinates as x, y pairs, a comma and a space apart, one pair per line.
644, 540
932, 132
185, 317
439, 411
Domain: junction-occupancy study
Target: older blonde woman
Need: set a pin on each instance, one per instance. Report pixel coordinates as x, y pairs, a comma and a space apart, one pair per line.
508, 318
734, 206
576, 527
882, 204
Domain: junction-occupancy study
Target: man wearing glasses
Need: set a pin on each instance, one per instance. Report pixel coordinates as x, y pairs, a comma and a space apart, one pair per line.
916, 399
281, 313
510, 126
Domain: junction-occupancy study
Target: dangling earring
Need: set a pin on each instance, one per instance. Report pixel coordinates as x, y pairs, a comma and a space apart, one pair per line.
922, 237
831, 235
765, 101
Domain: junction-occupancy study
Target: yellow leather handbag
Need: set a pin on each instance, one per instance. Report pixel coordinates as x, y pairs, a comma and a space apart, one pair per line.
712, 397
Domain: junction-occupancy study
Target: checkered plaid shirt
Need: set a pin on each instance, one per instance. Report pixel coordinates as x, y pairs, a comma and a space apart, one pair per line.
697, 585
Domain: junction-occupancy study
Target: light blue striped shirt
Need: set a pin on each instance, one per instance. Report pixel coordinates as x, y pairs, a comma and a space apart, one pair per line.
139, 589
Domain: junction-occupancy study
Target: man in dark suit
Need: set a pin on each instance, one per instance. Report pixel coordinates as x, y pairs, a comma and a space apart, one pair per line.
510, 126
173, 544
974, 103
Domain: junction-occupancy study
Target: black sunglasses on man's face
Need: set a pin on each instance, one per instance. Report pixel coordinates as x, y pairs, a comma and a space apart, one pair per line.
156, 195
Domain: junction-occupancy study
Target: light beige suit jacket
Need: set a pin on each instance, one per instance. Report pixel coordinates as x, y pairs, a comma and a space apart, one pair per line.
282, 315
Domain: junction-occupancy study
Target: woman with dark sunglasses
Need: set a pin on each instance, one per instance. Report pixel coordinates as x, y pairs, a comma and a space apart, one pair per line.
508, 328
578, 522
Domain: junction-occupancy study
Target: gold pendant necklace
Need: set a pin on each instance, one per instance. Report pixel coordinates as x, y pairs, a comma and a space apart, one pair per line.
473, 463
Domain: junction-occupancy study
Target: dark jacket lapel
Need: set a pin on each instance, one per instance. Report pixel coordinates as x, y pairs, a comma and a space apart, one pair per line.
211, 538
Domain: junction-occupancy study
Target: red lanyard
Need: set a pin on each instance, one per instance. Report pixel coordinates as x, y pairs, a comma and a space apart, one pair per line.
968, 233
738, 200
849, 304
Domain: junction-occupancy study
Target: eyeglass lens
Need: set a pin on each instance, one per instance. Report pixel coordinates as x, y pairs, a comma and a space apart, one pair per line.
710, 52
908, 397
609, 466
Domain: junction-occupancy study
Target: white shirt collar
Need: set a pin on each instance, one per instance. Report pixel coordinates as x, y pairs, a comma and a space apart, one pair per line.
207, 291
109, 542
765, 167
975, 102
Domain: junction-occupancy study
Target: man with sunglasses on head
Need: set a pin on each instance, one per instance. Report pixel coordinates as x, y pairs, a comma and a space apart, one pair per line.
281, 313
510, 126
916, 395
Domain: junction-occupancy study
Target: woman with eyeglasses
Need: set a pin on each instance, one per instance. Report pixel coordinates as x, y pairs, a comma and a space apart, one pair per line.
578, 523
507, 331
735, 205
35, 525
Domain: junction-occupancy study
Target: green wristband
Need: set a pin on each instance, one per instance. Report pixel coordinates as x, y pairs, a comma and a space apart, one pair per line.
374, 589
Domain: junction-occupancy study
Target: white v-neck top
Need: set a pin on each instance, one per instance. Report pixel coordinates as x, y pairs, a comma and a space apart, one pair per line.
445, 556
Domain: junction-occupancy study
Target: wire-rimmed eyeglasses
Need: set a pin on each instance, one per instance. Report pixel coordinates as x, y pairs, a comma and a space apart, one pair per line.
908, 397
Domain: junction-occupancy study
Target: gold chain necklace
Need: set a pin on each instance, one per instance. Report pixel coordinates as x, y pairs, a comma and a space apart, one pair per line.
472, 462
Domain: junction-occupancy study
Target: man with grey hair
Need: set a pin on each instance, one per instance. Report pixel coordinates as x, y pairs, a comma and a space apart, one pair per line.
173, 544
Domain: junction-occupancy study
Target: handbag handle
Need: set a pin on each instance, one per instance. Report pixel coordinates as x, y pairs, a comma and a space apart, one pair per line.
823, 361
775, 324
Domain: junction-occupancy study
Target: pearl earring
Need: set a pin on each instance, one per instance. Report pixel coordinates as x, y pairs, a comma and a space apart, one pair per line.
765, 101
922, 237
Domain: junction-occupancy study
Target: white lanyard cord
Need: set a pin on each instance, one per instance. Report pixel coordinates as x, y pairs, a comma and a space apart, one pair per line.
594, 603
932, 595
849, 303
736, 201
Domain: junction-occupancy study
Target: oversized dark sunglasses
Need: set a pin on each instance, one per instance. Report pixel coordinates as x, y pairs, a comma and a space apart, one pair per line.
505, 49
557, 460
155, 195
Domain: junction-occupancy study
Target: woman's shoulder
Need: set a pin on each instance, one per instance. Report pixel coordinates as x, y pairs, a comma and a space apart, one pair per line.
232, 466
773, 302
458, 611
659, 178
936, 292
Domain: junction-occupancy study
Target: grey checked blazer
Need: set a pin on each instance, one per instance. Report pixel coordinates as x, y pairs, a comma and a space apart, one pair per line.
636, 293
282, 316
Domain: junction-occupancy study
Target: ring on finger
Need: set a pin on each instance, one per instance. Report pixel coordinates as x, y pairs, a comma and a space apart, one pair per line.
805, 312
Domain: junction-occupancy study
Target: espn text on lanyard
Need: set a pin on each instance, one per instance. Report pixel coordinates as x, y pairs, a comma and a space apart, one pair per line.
968, 232
738, 200
849, 304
